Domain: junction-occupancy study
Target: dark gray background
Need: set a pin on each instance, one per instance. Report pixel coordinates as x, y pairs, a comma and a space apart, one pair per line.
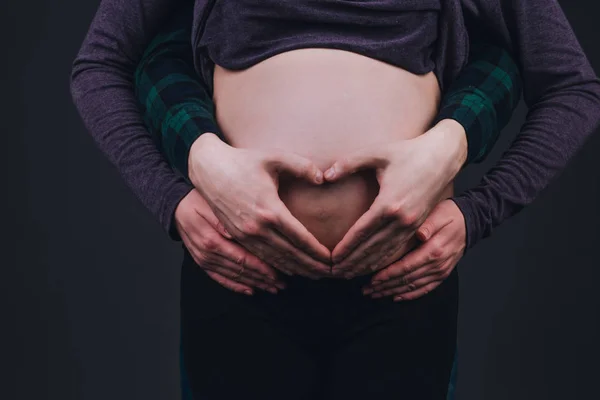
90, 282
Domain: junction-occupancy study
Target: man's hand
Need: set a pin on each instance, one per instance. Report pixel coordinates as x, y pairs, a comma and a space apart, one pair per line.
412, 175
211, 248
425, 268
240, 185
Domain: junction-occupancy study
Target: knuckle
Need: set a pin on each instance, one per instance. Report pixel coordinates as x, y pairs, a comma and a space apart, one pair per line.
404, 216
240, 259
277, 261
436, 252
201, 259
250, 229
361, 235
408, 219
266, 218
210, 243
393, 210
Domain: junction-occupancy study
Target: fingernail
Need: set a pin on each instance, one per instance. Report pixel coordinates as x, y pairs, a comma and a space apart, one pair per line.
319, 177
272, 290
330, 173
398, 298
377, 295
280, 285
248, 292
367, 291
375, 283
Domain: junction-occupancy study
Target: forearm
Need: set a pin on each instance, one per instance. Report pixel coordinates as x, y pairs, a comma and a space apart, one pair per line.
102, 90
481, 100
173, 99
563, 95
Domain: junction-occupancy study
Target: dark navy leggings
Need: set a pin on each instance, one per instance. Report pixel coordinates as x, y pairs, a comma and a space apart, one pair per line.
315, 340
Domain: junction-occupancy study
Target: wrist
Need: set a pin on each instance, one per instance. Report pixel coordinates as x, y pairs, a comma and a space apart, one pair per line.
454, 139
205, 142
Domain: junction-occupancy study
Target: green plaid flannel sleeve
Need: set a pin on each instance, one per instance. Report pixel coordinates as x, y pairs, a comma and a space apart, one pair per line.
483, 98
174, 101
178, 108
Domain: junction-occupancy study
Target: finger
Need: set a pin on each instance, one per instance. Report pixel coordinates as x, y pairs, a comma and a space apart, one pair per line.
203, 210
255, 246
373, 249
437, 270
435, 222
372, 220
204, 260
271, 255
234, 270
296, 165
440, 268
429, 255
241, 277
394, 245
373, 157
410, 287
269, 249
293, 230
231, 285
210, 246
419, 292
222, 230
296, 260
418, 258
402, 280
241, 257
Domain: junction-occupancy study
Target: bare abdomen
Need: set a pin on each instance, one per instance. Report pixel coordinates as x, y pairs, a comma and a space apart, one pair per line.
324, 104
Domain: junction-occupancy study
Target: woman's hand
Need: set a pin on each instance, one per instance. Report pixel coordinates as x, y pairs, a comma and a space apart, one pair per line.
423, 269
223, 260
412, 175
240, 185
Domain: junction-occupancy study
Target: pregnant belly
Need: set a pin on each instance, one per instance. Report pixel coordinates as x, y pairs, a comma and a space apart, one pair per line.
324, 104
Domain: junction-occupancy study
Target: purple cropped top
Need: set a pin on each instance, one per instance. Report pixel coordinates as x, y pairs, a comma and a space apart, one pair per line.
237, 34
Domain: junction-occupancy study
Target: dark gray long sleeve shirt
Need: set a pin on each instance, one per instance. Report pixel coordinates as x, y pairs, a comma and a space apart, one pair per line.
560, 88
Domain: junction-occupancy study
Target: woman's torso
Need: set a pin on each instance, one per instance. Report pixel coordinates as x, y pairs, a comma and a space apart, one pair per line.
324, 104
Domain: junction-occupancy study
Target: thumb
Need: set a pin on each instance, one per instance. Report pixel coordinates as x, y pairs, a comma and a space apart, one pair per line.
439, 218
296, 165
362, 159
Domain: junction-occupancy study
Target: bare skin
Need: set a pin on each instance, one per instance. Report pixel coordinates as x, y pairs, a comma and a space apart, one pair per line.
272, 106
368, 117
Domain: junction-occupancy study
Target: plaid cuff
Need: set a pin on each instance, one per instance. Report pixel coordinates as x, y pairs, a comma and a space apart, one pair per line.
475, 112
175, 103
483, 98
